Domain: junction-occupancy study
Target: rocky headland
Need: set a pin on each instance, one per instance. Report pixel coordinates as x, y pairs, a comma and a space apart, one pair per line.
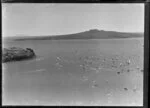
17, 54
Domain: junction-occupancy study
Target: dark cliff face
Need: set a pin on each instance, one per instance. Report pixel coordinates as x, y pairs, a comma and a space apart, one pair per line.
17, 54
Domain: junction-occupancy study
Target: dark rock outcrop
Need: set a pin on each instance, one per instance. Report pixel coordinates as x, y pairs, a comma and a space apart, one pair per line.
17, 54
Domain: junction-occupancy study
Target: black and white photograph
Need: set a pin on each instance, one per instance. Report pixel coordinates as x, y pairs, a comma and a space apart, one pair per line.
71, 54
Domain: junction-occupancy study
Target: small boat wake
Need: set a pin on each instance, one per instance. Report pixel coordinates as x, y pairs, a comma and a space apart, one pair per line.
36, 60
37, 70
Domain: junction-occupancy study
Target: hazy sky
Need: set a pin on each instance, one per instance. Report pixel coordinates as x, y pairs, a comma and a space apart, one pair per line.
53, 19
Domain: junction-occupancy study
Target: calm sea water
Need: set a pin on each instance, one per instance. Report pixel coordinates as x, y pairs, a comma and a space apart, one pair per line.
58, 76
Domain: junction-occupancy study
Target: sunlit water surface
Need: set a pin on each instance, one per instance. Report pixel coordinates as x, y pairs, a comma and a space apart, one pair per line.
76, 72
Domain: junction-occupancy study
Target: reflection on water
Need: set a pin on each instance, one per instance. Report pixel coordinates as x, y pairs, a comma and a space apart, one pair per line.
76, 72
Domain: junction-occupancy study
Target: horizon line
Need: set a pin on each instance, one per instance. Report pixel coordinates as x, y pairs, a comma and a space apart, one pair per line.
17, 35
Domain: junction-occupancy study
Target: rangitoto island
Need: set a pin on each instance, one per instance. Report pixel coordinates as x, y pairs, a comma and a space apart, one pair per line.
89, 34
17, 54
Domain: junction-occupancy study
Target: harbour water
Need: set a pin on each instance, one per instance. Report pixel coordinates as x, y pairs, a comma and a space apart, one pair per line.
76, 72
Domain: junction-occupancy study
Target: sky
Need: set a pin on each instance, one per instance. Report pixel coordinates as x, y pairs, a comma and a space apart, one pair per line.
55, 19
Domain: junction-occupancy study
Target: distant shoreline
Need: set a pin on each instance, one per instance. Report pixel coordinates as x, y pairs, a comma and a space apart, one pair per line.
91, 34
27, 39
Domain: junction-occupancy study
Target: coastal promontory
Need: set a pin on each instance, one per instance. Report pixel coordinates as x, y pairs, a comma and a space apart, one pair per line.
17, 54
